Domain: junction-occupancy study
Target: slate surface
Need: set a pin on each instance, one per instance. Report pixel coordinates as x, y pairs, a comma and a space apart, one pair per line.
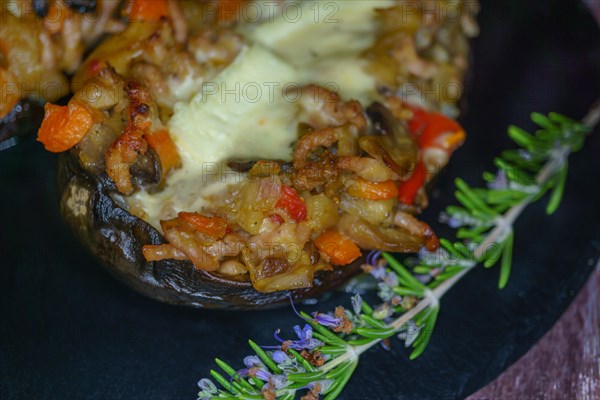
68, 330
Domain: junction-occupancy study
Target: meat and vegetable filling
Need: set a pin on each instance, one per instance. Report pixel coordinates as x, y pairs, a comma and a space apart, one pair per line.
331, 160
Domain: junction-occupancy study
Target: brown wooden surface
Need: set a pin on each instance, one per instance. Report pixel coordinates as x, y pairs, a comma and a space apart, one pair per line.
565, 363
594, 6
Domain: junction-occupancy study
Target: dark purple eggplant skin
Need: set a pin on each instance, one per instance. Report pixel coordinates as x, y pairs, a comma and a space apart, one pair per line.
90, 206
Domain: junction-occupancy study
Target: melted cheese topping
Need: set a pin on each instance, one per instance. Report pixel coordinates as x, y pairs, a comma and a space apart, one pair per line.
240, 114
325, 41
244, 112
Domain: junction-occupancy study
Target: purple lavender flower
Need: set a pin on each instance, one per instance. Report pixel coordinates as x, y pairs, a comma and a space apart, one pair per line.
262, 374
385, 292
391, 279
356, 303
279, 357
279, 381
436, 257
305, 340
383, 311
323, 385
207, 389
409, 333
289, 365
372, 257
525, 155
253, 361
255, 368
341, 321
453, 222
326, 320
500, 183
378, 272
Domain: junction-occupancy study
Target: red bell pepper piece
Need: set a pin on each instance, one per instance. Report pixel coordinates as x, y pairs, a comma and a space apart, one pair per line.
408, 189
429, 127
418, 123
438, 125
292, 203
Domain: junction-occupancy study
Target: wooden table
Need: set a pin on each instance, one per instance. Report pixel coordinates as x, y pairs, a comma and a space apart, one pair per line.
565, 363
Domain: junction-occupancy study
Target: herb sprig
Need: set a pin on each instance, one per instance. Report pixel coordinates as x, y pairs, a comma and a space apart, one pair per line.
324, 356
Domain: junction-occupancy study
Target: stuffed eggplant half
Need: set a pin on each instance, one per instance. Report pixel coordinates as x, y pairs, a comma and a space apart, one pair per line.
225, 161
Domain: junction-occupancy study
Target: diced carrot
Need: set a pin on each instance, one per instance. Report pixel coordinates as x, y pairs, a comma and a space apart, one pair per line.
364, 189
161, 142
148, 10
338, 248
292, 203
408, 190
229, 10
64, 126
210, 226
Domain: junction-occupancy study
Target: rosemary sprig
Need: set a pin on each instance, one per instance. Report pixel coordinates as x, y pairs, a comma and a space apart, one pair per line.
326, 352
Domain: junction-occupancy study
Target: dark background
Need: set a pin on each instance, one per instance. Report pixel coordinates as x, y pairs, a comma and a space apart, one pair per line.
68, 330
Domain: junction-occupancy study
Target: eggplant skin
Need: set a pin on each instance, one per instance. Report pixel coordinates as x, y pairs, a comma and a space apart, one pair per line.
89, 205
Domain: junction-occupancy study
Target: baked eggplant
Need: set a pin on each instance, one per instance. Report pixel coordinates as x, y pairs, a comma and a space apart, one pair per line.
194, 200
116, 238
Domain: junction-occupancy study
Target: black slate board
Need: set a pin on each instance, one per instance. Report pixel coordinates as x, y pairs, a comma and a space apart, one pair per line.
69, 330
